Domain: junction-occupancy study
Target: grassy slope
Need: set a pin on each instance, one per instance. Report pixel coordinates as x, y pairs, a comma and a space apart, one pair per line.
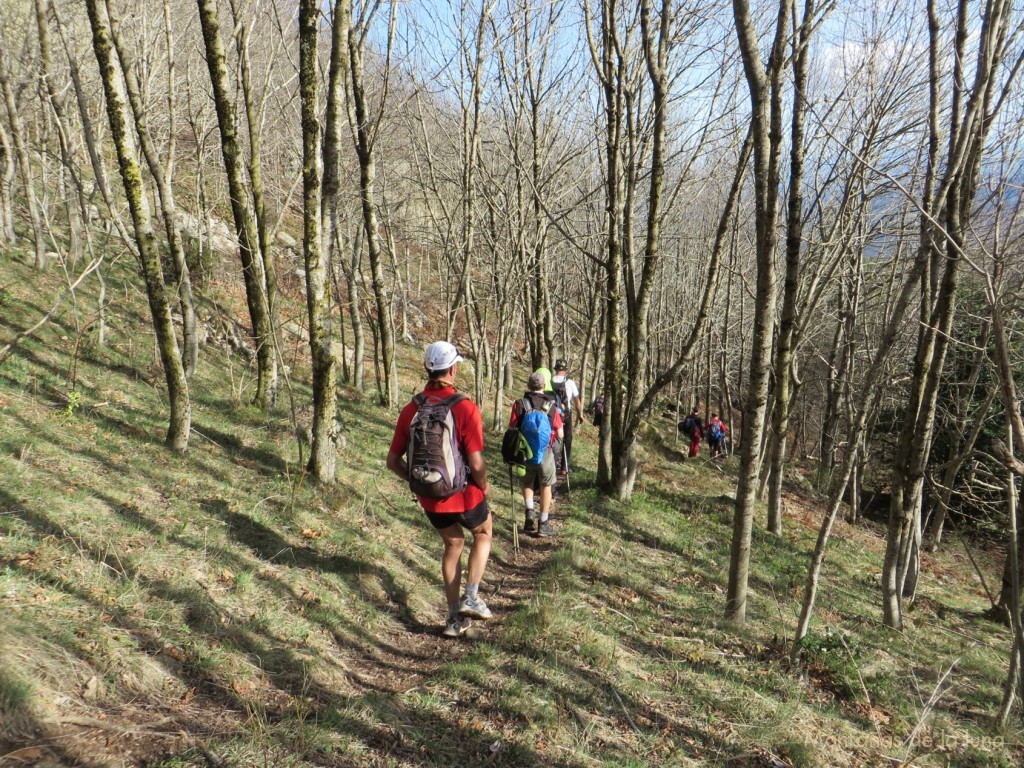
214, 609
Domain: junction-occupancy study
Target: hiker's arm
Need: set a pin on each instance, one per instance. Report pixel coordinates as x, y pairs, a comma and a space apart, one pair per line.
579, 408
397, 465
478, 470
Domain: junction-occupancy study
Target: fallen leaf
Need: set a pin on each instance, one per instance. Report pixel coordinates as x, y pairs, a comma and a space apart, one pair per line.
26, 755
244, 687
309, 533
92, 689
174, 652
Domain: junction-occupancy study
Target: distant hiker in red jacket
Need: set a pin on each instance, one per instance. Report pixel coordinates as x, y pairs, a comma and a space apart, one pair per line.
715, 430
692, 427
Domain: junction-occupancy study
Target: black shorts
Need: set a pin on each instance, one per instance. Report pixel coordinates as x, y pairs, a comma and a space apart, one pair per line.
468, 520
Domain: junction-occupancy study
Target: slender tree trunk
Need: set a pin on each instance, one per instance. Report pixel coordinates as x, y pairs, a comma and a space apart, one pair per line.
255, 168
22, 161
149, 257
611, 74
365, 135
965, 449
784, 361
253, 272
766, 115
165, 191
7, 173
351, 266
73, 203
323, 453
855, 442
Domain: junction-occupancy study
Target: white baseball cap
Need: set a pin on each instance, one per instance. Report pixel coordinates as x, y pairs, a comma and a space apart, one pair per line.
440, 356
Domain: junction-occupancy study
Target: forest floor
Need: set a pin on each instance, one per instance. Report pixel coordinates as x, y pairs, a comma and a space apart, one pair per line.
218, 609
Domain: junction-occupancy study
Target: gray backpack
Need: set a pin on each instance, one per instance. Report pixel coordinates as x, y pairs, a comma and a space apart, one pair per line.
437, 468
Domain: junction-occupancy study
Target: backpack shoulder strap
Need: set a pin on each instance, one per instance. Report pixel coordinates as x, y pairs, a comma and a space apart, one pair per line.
453, 400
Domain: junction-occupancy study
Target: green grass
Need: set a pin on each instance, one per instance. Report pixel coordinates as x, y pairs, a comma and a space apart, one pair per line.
218, 606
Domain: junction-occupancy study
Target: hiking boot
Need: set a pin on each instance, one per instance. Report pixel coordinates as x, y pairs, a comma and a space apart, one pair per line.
456, 626
545, 531
530, 526
474, 607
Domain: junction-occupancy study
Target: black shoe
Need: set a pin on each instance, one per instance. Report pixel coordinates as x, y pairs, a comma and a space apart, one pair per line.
530, 526
545, 531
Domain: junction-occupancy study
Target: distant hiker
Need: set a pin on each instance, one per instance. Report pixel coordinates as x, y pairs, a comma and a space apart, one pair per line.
715, 431
538, 420
438, 448
691, 427
556, 445
569, 394
597, 408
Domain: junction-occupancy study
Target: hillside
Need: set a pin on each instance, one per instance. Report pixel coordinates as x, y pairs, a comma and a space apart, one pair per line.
215, 609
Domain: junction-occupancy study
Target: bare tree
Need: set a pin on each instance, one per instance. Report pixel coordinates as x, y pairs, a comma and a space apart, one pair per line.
18, 141
366, 127
149, 256
162, 179
323, 454
946, 218
254, 272
764, 81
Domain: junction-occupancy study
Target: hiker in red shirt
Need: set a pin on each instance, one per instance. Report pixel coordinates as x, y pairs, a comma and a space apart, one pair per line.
466, 507
715, 431
691, 426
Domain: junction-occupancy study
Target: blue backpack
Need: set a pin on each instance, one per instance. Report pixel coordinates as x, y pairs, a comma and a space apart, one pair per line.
715, 429
535, 427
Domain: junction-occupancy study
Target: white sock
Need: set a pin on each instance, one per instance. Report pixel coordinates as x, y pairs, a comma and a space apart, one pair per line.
543, 517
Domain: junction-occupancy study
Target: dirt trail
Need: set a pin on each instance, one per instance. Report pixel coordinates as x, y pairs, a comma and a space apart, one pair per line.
404, 658
397, 661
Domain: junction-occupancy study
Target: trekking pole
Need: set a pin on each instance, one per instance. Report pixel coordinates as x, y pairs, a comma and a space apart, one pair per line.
565, 466
515, 524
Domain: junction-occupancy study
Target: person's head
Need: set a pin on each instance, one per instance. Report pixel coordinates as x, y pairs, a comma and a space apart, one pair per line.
536, 382
561, 366
714, 414
440, 359
547, 378
696, 410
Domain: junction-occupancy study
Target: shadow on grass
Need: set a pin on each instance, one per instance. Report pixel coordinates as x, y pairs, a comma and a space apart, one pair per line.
283, 665
24, 739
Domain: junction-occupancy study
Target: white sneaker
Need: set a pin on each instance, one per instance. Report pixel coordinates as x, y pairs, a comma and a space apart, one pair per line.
456, 626
474, 607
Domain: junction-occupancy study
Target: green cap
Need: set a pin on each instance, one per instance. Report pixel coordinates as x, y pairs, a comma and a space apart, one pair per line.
547, 378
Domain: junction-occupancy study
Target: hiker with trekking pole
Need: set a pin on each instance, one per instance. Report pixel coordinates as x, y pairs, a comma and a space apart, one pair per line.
438, 449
